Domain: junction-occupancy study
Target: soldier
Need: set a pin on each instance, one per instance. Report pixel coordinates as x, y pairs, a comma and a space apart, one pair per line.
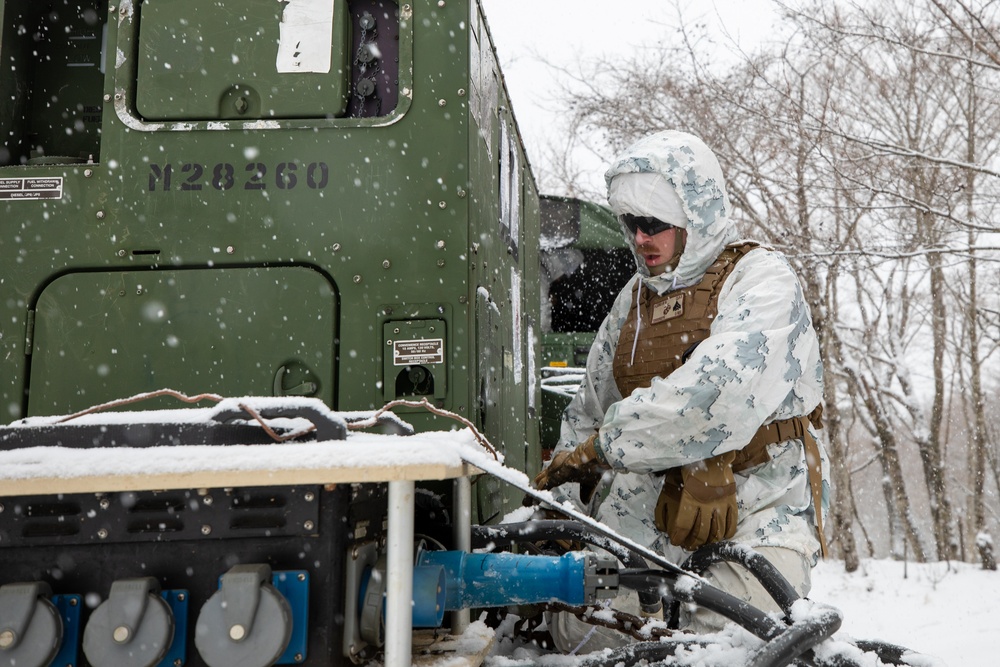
698, 389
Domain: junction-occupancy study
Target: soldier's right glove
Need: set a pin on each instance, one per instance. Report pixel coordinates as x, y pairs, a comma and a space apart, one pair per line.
582, 465
697, 505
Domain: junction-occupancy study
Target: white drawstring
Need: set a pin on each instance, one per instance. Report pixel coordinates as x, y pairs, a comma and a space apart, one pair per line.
638, 319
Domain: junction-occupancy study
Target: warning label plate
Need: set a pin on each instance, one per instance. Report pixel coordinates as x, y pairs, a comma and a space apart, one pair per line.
421, 351
31, 188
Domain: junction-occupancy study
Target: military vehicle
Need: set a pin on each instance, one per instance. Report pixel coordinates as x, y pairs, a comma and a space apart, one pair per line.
585, 263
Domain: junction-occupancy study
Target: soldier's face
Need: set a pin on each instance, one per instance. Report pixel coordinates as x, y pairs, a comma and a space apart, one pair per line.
659, 251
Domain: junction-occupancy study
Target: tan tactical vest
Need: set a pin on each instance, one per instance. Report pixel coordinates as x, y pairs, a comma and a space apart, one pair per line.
672, 325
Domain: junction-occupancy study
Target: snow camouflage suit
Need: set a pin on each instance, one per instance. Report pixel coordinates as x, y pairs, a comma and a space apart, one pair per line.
760, 363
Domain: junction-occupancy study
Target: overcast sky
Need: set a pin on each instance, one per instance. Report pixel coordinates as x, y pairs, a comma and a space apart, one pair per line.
530, 33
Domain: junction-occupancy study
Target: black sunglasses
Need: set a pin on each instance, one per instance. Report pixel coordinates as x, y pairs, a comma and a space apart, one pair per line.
649, 225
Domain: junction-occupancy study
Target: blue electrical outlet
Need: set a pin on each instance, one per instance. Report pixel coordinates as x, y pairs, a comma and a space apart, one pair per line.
68, 607
177, 600
294, 585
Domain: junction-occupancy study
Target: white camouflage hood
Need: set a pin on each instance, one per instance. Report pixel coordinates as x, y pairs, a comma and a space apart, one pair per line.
675, 177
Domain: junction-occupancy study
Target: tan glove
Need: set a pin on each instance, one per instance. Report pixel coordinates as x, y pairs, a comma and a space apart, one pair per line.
582, 465
697, 504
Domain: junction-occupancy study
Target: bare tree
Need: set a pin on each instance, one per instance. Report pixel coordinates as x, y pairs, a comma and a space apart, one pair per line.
863, 147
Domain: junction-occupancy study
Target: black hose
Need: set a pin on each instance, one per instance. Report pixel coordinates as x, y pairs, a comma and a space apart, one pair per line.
506, 534
642, 653
707, 596
782, 592
799, 638
890, 654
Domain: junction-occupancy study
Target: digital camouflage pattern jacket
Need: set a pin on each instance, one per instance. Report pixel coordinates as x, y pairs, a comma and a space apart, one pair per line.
760, 363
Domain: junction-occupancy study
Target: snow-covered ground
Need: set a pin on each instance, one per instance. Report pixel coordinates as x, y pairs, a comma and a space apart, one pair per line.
948, 610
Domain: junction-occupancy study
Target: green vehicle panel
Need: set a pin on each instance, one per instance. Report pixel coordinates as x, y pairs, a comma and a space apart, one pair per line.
309, 221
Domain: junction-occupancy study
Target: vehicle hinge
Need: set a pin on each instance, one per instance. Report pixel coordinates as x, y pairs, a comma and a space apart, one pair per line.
29, 333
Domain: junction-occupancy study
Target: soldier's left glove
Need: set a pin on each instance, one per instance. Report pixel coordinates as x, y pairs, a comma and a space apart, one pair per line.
697, 505
582, 465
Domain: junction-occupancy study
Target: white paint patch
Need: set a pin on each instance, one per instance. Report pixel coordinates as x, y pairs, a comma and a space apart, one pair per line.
306, 37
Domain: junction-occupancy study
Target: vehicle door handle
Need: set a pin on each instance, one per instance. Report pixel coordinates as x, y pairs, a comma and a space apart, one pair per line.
306, 388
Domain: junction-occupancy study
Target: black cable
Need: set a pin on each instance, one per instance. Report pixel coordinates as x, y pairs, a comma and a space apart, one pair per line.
642, 653
707, 596
799, 638
782, 592
507, 534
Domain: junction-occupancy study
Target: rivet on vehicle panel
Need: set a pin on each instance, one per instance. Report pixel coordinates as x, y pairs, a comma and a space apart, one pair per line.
461, 193
357, 279
335, 247
389, 343
107, 98
440, 262
396, 330
112, 8
461, 92
230, 250
207, 500
100, 215
73, 602
308, 525
105, 503
300, 577
298, 657
442, 204
442, 102
6, 638
102, 533
178, 662
121, 634
206, 529
386, 264
181, 597
237, 632
310, 496
121, 293
118, 96
87, 173
440, 3
463, 299
440, 245
139, 291
122, 253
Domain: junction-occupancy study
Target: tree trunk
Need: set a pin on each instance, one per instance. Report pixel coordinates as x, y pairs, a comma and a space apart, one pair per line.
929, 443
893, 470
